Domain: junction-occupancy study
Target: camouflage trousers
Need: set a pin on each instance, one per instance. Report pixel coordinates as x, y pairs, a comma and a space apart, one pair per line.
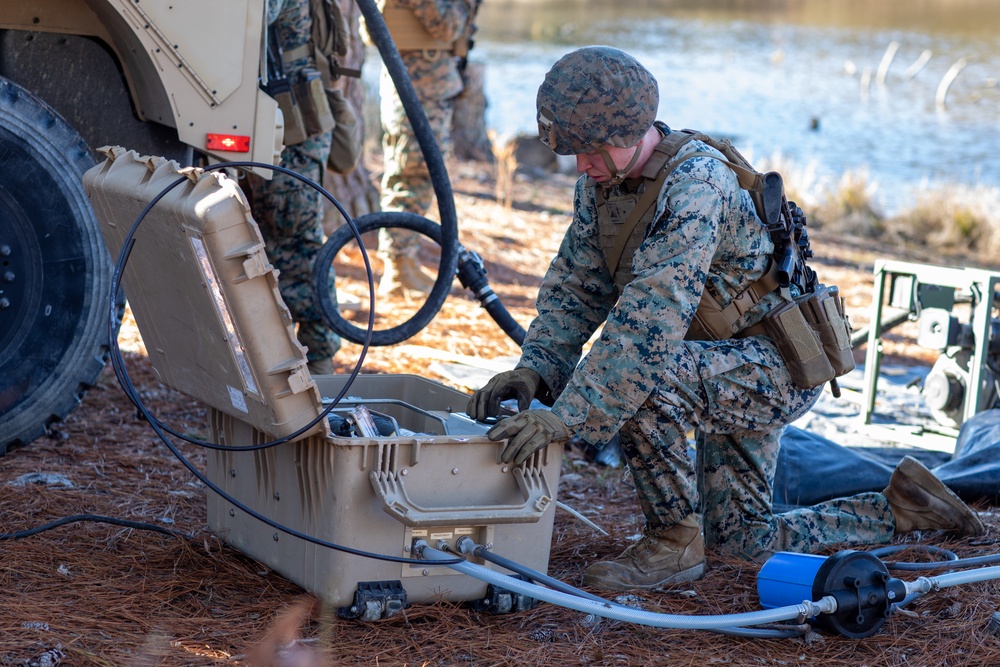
406, 182
290, 215
738, 409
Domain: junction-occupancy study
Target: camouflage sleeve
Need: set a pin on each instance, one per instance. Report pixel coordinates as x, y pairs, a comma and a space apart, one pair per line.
642, 334
576, 295
445, 20
294, 28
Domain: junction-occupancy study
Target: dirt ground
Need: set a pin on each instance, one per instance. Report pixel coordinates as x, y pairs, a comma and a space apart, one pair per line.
90, 593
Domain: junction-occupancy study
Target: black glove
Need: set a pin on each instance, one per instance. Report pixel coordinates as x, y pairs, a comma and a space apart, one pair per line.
528, 431
520, 383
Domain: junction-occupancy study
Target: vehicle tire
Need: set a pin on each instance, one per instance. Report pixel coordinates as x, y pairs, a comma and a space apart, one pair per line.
55, 271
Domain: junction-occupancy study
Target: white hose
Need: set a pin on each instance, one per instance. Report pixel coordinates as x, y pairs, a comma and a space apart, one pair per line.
927, 584
805, 610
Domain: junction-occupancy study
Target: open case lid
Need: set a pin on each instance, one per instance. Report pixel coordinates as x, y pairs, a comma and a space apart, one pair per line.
204, 296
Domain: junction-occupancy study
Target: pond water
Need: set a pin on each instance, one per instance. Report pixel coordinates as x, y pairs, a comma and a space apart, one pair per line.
809, 80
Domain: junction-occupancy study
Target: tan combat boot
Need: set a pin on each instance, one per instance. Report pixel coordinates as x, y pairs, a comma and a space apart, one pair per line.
654, 561
920, 501
401, 272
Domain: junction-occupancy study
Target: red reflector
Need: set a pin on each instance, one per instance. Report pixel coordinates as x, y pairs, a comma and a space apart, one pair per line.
228, 142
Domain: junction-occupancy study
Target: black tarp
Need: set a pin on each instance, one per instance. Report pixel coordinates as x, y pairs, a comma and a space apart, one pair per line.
812, 468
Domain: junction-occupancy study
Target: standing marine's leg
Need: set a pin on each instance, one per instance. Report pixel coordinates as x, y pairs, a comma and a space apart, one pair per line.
406, 181
289, 213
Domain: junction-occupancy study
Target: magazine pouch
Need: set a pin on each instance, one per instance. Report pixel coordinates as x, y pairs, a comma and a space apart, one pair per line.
824, 311
799, 343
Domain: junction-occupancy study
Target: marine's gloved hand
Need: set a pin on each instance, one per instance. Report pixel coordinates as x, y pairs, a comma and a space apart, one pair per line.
528, 431
520, 383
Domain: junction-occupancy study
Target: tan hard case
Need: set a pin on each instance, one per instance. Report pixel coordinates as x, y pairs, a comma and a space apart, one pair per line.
206, 302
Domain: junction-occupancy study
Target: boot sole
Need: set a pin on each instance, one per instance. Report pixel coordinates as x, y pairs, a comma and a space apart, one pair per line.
690, 574
924, 478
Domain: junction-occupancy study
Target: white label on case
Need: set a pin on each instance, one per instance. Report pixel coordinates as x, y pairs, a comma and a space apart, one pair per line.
238, 400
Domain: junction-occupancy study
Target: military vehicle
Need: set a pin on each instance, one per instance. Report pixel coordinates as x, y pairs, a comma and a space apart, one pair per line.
178, 79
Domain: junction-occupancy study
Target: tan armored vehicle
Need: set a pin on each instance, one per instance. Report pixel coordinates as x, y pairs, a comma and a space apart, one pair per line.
178, 79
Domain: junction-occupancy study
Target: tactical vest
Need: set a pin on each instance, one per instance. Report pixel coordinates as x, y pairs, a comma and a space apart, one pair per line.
410, 35
810, 330
623, 216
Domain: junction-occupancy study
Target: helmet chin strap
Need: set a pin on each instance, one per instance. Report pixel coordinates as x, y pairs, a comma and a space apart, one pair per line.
618, 175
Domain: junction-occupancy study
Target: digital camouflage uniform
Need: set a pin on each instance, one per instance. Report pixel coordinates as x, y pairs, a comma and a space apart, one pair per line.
643, 381
288, 211
698, 254
406, 182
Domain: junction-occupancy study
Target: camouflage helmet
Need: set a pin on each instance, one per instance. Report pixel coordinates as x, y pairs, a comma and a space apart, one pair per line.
593, 97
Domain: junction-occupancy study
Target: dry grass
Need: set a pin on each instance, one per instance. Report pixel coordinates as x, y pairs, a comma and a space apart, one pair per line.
957, 219
107, 595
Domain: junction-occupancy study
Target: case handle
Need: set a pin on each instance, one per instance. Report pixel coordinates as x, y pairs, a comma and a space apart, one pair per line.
397, 503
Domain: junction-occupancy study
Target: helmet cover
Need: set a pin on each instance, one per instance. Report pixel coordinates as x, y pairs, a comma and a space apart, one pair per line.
593, 97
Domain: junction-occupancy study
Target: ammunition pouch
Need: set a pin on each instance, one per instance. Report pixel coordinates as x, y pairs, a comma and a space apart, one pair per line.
306, 108
813, 335
345, 141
